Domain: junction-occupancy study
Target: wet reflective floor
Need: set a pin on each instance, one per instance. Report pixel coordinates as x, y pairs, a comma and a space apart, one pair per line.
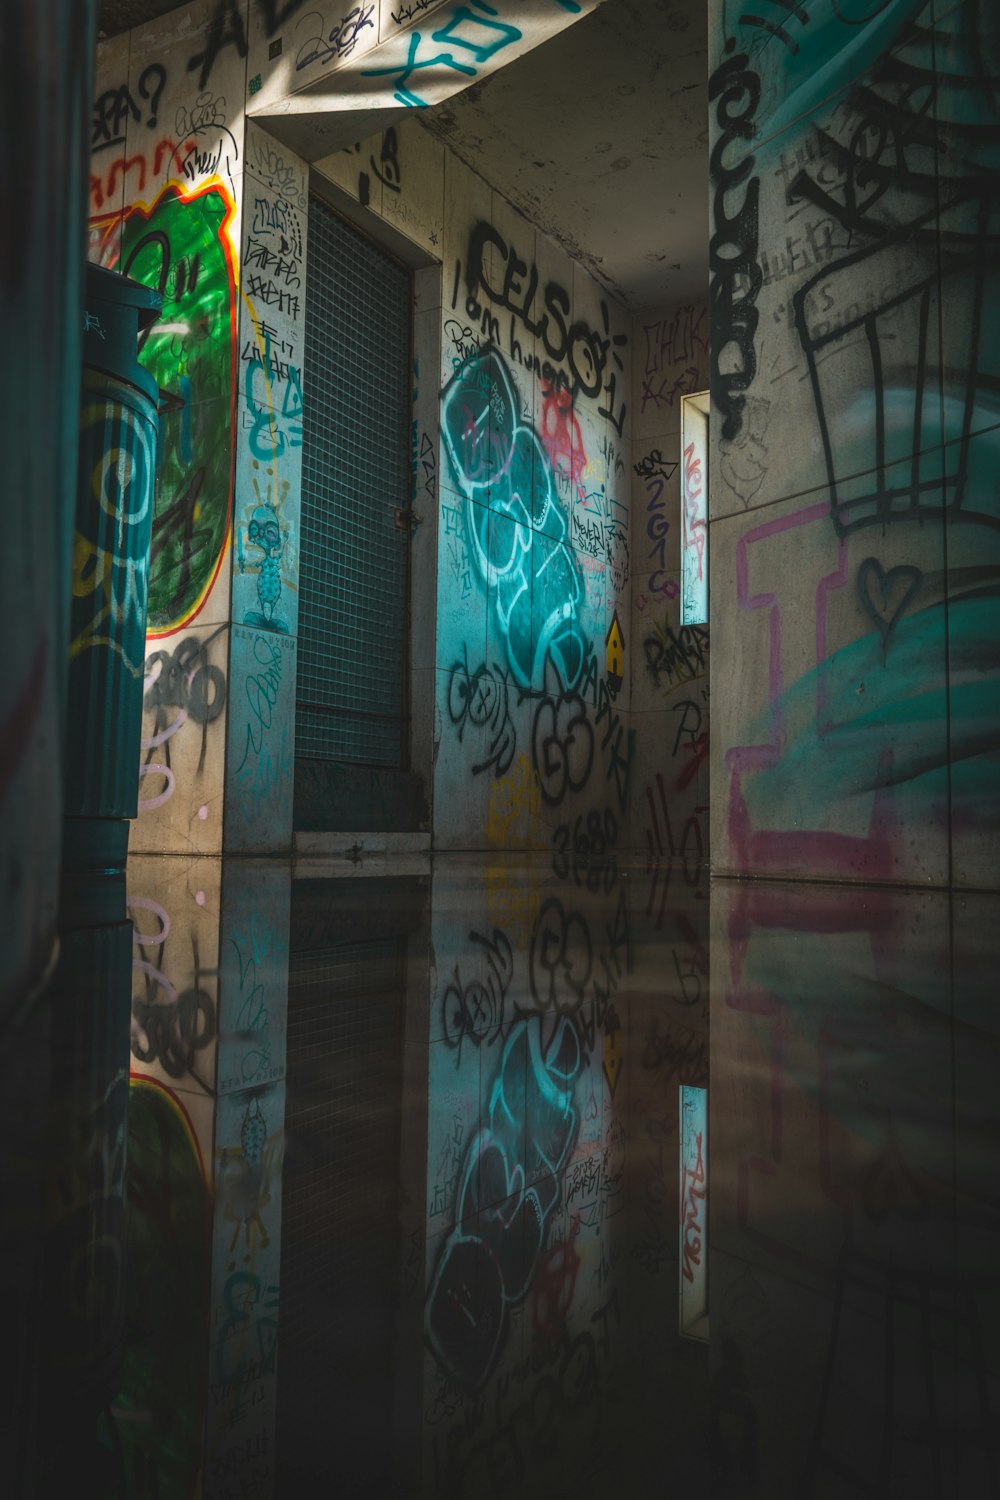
488, 1179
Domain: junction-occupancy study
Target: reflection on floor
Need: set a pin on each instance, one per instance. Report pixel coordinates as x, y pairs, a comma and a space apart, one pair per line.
427, 1190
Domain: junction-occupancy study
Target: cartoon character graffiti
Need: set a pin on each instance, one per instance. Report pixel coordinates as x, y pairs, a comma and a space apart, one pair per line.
246, 1178
267, 534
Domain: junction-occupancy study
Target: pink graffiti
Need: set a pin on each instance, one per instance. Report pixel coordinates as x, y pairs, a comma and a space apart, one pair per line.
789, 849
692, 1199
147, 804
696, 528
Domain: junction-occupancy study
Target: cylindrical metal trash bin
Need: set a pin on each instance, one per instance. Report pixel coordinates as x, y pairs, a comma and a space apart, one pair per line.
116, 473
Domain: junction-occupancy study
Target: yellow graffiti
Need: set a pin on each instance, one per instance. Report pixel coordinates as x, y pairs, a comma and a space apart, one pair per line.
515, 807
513, 822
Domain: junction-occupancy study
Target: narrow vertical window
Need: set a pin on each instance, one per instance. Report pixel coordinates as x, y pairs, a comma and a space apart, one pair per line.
694, 509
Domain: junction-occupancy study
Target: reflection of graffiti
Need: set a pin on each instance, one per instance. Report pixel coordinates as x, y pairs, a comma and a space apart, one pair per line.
572, 974
476, 1010
586, 853
555, 1285
562, 1379
509, 1187
168, 1029
171, 1033
180, 245
517, 530
245, 1187
156, 1412
660, 837
561, 958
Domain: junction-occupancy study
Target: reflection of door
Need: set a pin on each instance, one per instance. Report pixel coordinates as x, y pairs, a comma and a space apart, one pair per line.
351, 703
341, 1184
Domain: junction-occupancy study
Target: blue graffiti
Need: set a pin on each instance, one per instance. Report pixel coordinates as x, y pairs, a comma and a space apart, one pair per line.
807, 56
486, 35
511, 1180
517, 529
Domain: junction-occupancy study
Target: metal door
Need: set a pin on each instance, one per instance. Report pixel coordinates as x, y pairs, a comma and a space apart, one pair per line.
354, 564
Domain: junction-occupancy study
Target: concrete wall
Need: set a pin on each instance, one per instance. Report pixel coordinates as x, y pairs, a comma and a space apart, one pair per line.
173, 164
852, 1198
853, 503
561, 1020
521, 467
670, 708
521, 454
205, 1149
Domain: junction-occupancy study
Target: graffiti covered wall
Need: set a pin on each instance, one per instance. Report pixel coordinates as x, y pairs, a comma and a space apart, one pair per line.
854, 517
172, 163
166, 163
521, 475
854, 1052
670, 698
205, 1149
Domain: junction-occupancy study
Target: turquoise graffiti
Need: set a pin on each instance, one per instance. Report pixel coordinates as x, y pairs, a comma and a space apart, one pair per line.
807, 54
516, 528
875, 135
510, 1185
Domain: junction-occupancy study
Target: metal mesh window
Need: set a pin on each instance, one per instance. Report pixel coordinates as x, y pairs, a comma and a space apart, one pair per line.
353, 567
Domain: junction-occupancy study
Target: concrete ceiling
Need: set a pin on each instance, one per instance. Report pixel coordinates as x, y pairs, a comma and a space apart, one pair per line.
114, 16
600, 137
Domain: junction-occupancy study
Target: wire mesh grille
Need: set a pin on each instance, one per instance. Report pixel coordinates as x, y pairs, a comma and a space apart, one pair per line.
352, 575
341, 1175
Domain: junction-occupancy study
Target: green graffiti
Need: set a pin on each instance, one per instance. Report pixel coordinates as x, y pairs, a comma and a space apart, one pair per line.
181, 247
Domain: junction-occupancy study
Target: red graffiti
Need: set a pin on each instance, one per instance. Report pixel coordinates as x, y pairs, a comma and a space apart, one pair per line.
555, 1285
561, 435
102, 189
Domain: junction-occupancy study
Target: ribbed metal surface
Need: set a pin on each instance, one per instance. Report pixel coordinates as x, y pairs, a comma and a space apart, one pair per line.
340, 1190
353, 569
110, 569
